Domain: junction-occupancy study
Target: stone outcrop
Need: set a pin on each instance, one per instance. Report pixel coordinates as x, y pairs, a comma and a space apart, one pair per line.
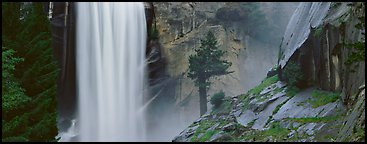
316, 42
181, 25
255, 116
313, 41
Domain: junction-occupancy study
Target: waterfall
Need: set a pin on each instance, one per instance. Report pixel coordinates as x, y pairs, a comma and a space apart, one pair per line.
110, 58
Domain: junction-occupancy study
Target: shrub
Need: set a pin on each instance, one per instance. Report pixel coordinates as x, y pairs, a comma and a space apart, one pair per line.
217, 99
318, 32
293, 74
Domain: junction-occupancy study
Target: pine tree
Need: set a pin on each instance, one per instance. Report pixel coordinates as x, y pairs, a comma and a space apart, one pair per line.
205, 64
29, 81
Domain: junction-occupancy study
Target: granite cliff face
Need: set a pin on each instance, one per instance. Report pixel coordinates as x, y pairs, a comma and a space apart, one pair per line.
329, 108
252, 52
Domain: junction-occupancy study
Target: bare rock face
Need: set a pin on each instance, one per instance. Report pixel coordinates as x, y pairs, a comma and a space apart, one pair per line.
355, 120
321, 57
181, 25
315, 42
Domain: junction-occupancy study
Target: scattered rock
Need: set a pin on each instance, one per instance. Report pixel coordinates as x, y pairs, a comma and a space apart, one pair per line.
291, 134
271, 72
228, 127
200, 135
216, 137
213, 127
237, 113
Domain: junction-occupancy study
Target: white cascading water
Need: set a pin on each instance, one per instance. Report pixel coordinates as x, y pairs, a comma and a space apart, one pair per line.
110, 55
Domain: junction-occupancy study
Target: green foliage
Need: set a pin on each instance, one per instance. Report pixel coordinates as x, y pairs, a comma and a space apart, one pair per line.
293, 73
13, 96
358, 134
275, 131
203, 126
223, 108
256, 90
207, 62
357, 49
217, 99
153, 34
292, 91
313, 119
318, 32
245, 99
29, 81
207, 135
15, 139
267, 82
277, 90
8, 62
322, 98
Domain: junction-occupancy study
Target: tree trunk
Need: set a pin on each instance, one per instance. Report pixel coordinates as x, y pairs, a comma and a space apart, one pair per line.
203, 100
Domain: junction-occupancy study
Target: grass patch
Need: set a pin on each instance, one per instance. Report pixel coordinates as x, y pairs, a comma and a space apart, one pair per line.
267, 82
203, 126
322, 98
277, 90
256, 91
292, 91
207, 135
263, 98
277, 131
245, 101
313, 119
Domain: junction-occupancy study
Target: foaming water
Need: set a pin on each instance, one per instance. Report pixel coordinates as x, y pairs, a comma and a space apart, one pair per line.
110, 55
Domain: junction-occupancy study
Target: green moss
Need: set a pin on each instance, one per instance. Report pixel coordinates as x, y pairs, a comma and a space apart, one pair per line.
322, 98
267, 82
313, 119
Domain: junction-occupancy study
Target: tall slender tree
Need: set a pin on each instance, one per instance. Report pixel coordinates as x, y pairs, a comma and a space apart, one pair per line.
205, 64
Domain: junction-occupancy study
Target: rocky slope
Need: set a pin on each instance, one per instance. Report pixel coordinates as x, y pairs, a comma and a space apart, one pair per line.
330, 107
270, 115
